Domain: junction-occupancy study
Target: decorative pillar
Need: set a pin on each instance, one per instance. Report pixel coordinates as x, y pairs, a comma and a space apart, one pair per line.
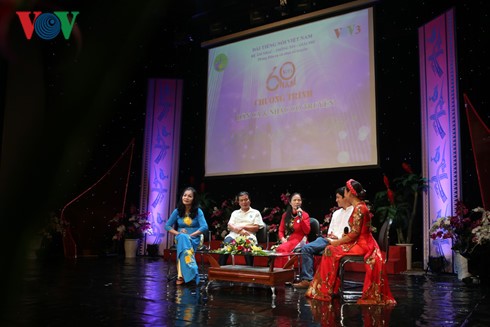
161, 156
440, 124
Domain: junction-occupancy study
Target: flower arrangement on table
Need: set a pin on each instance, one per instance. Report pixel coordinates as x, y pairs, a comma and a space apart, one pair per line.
132, 227
240, 245
467, 229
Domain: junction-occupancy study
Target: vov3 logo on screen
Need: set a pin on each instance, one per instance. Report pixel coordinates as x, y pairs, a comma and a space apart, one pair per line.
47, 25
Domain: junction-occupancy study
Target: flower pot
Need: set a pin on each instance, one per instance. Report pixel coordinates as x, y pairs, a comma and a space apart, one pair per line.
461, 266
130, 247
408, 251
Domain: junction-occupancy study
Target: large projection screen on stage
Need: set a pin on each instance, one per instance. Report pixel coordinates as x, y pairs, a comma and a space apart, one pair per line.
296, 99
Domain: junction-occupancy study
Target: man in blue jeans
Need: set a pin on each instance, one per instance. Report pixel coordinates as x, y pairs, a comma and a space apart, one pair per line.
337, 227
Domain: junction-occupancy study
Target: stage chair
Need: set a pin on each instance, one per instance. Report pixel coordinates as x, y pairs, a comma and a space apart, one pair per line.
384, 245
314, 229
314, 232
203, 249
263, 236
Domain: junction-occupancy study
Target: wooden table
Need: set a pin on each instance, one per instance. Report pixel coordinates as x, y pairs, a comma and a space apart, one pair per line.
270, 275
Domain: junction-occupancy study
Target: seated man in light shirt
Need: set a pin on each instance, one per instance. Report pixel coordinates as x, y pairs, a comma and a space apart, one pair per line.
339, 222
245, 221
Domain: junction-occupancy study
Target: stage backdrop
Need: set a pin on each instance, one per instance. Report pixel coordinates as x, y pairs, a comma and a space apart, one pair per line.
440, 127
161, 157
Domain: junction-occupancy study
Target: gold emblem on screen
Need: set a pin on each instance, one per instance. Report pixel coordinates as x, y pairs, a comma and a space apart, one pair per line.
285, 78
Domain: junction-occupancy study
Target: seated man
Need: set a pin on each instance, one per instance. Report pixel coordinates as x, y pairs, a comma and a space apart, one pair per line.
245, 221
339, 221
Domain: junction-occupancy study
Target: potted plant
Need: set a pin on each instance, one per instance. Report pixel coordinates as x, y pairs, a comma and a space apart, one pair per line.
468, 229
459, 228
51, 246
482, 231
131, 229
399, 202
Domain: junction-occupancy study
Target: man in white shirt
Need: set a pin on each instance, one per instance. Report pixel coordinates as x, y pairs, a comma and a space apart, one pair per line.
245, 221
336, 229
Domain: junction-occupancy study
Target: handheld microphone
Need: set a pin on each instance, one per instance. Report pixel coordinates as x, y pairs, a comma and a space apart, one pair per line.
299, 212
346, 230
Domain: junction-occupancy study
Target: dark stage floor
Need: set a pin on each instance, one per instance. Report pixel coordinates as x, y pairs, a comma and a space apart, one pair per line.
113, 291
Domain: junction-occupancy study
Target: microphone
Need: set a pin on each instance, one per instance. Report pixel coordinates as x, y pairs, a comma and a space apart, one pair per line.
346, 230
299, 212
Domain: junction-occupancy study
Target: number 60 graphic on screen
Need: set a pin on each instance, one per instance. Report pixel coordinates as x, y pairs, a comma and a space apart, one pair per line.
286, 72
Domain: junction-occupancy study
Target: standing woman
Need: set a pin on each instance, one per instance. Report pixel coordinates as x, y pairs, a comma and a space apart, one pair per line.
359, 241
191, 224
293, 229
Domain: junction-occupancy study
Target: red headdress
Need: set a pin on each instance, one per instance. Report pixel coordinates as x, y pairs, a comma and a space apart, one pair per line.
349, 186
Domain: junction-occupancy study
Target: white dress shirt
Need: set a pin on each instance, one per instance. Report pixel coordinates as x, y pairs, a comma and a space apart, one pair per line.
241, 218
340, 220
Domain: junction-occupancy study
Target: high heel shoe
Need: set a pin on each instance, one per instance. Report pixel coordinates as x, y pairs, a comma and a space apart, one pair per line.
179, 281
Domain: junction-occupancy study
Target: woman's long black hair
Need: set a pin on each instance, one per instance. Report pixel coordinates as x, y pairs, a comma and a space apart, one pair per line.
194, 205
289, 215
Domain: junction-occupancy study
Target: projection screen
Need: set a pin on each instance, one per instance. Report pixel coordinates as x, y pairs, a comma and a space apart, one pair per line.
301, 98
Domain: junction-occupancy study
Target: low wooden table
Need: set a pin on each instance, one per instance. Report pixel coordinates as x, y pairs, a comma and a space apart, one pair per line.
259, 275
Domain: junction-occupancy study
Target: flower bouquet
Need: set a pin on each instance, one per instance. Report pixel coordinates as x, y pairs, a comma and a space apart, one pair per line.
240, 245
482, 232
462, 228
133, 227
